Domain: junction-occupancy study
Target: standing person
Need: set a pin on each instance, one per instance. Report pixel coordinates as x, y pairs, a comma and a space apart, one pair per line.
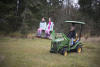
49, 28
42, 27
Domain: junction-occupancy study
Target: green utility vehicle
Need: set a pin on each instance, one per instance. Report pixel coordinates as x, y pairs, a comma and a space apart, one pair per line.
62, 44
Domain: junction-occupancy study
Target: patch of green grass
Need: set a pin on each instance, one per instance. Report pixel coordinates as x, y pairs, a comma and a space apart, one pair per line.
35, 53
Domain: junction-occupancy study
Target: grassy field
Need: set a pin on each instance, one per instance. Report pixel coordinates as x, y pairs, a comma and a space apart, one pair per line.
35, 53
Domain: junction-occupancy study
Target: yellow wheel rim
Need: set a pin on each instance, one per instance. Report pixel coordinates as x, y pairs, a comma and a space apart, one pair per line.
65, 53
79, 50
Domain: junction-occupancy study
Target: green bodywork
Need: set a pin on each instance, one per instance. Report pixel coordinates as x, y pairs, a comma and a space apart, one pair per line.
59, 43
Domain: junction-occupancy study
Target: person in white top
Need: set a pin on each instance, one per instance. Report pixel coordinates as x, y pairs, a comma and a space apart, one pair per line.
49, 28
42, 27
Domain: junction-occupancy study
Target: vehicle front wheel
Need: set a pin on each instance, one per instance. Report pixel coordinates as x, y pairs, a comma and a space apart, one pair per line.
65, 52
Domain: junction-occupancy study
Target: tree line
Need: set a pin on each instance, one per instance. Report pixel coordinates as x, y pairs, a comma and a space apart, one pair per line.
25, 15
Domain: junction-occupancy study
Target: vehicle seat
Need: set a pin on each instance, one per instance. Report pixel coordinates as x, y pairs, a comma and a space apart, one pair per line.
73, 41
76, 38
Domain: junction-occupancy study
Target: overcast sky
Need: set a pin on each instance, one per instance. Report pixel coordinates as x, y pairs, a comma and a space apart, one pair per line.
74, 2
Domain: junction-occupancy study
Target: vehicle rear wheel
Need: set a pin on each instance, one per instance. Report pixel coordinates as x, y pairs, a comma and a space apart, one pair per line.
79, 49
